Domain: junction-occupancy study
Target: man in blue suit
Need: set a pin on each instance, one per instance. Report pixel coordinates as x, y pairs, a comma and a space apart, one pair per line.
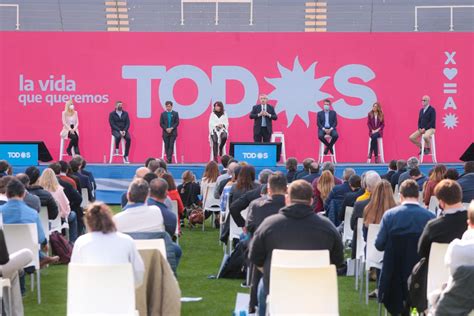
327, 122
263, 114
426, 125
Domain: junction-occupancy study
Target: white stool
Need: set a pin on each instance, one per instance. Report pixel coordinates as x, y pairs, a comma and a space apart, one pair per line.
112, 148
321, 151
174, 152
280, 136
380, 144
61, 149
432, 152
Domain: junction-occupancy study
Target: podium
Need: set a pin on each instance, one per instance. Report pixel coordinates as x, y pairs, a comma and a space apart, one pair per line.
256, 154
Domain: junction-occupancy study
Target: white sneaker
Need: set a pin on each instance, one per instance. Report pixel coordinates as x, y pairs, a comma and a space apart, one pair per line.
125, 160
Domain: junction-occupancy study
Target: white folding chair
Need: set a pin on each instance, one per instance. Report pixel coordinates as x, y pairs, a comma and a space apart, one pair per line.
374, 257
434, 204
112, 148
321, 151
301, 258
43, 215
347, 233
380, 145
396, 194
25, 236
155, 244
432, 152
466, 205
234, 230
360, 253
175, 155
5, 283
85, 198
314, 289
438, 272
210, 204
100, 290
174, 209
281, 137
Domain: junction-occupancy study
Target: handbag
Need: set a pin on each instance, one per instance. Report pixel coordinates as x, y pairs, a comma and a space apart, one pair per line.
417, 285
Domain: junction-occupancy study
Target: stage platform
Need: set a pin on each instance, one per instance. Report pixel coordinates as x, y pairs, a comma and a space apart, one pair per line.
113, 179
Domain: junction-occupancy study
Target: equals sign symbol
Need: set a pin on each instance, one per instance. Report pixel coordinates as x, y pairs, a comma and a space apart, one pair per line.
450, 88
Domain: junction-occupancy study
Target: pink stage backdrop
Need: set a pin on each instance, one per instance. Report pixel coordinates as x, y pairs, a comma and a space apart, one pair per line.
40, 71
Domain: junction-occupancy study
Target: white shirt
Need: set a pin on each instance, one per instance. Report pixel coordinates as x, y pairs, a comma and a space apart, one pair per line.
209, 199
460, 251
214, 121
111, 248
140, 218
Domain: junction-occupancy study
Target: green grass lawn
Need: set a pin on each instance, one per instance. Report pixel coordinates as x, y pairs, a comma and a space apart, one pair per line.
201, 257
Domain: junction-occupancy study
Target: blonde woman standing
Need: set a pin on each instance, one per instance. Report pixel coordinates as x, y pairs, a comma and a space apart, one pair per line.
70, 130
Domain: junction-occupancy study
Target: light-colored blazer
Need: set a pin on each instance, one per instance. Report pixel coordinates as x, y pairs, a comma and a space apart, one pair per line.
67, 121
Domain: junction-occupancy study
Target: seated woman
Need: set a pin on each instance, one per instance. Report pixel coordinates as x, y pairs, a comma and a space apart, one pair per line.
70, 130
104, 245
173, 193
189, 190
376, 124
218, 127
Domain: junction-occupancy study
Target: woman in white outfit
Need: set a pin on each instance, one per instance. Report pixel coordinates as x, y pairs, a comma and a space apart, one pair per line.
218, 126
70, 127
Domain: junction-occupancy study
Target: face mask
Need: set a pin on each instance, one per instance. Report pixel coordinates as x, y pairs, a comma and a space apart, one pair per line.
71, 107
119, 108
326, 108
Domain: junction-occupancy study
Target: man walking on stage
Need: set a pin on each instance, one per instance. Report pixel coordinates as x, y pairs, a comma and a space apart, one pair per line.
262, 114
169, 122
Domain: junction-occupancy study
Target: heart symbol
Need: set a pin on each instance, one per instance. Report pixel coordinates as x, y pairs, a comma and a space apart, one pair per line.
450, 73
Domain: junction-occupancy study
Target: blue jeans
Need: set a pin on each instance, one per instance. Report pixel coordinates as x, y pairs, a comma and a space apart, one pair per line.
72, 221
262, 298
178, 252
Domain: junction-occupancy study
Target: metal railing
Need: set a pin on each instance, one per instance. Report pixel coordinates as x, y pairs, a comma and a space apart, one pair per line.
17, 13
250, 2
450, 7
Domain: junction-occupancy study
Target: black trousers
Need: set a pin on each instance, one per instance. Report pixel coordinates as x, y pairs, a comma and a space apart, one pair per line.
118, 137
374, 145
334, 136
215, 143
169, 140
73, 143
262, 137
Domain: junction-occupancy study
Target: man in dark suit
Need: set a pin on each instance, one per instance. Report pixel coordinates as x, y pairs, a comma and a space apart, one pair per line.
392, 168
401, 168
426, 125
169, 121
327, 122
262, 114
120, 123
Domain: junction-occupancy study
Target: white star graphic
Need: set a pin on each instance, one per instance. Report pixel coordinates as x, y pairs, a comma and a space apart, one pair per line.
297, 91
450, 121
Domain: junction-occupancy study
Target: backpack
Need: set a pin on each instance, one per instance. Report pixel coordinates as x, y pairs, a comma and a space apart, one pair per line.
196, 216
60, 247
417, 285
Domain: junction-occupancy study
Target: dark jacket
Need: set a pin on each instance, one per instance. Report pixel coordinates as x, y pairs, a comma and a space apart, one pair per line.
311, 176
332, 119
395, 177
349, 200
119, 123
388, 175
257, 124
75, 199
91, 178
46, 200
427, 120
303, 230
85, 184
290, 176
301, 174
32, 201
169, 218
174, 122
356, 214
237, 206
372, 125
467, 184
189, 193
262, 208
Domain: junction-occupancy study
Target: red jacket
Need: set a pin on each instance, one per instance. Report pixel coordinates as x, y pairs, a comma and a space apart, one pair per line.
373, 125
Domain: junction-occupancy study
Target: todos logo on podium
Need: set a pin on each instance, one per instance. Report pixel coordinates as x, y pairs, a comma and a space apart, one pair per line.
257, 155
19, 154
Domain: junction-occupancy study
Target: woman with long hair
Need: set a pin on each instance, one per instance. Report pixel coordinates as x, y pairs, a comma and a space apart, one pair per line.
376, 124
173, 193
49, 182
104, 245
439, 171
218, 129
189, 190
291, 166
208, 185
381, 200
324, 185
70, 121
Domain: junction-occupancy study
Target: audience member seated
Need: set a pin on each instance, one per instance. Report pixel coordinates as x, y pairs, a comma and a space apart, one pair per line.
313, 172
137, 216
189, 190
324, 185
5, 168
318, 202
398, 237
436, 176
3, 188
15, 211
139, 174
306, 165
49, 181
223, 179
30, 199
103, 245
401, 168
392, 168
372, 179
451, 174
84, 180
225, 159
45, 197
415, 174
173, 193
10, 264
351, 197
244, 200
66, 175
153, 165
380, 201
336, 196
466, 181
304, 230
158, 194
208, 185
83, 170
412, 163
291, 166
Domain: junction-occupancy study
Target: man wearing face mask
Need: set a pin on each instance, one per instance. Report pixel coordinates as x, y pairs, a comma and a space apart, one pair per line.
426, 125
169, 121
120, 123
263, 114
327, 122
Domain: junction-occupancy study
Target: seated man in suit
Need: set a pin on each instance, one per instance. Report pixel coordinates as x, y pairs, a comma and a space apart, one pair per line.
426, 125
327, 122
120, 123
262, 114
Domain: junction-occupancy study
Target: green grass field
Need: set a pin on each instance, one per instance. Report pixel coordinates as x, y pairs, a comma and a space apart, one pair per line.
201, 257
